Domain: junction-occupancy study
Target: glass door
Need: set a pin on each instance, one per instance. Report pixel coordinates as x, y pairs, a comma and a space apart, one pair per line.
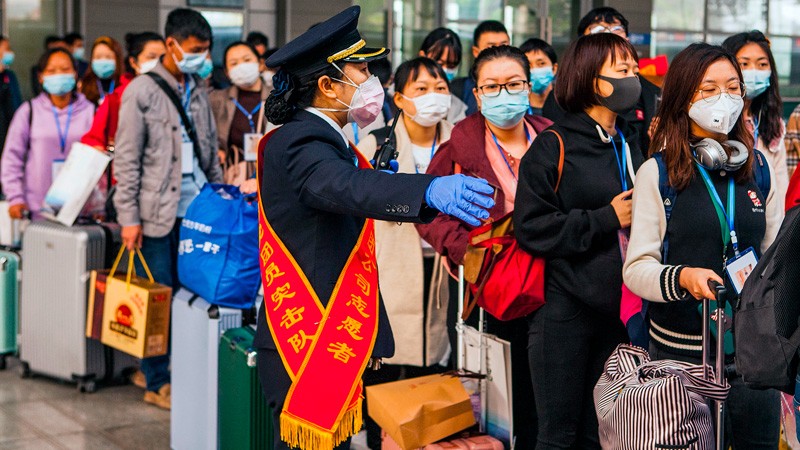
29, 22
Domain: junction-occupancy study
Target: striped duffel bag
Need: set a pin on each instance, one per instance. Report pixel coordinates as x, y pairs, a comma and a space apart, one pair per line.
643, 404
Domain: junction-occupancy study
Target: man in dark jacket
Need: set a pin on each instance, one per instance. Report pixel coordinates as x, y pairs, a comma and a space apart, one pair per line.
609, 20
490, 33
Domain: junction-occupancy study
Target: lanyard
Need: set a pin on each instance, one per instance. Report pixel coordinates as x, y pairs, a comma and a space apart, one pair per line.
62, 137
249, 115
756, 122
503, 153
622, 164
726, 217
187, 98
355, 132
433, 149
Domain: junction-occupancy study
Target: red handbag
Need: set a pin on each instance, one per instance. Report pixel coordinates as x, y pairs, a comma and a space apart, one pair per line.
504, 280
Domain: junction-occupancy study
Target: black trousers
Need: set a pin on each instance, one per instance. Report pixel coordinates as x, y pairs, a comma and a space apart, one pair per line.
276, 382
752, 417
569, 344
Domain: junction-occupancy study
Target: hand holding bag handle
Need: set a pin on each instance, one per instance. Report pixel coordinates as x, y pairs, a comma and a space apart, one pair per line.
131, 266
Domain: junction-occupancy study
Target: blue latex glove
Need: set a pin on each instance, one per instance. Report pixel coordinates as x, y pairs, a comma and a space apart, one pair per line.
393, 166
462, 197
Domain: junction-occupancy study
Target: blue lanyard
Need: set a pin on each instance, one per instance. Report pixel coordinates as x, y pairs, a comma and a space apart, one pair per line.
433, 150
102, 92
249, 115
755, 131
355, 132
622, 164
731, 210
503, 153
62, 137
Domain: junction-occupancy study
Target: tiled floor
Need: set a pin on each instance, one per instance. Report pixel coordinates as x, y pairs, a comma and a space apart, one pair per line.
40, 413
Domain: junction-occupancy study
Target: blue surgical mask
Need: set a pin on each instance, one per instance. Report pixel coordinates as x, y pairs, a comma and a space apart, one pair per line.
506, 110
104, 68
450, 74
59, 84
78, 53
206, 69
756, 82
191, 62
541, 77
8, 58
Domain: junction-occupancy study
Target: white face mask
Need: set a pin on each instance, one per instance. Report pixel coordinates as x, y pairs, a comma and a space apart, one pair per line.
267, 77
431, 108
717, 114
147, 66
366, 103
245, 74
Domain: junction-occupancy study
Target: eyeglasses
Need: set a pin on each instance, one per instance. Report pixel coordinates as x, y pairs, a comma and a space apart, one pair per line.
710, 93
518, 87
616, 29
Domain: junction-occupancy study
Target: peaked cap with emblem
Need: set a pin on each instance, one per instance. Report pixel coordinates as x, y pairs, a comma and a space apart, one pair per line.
334, 40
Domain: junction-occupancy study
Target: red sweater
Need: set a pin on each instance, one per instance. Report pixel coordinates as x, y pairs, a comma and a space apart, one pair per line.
104, 126
793, 193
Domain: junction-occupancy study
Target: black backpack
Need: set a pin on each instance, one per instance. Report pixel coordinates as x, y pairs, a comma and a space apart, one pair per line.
766, 322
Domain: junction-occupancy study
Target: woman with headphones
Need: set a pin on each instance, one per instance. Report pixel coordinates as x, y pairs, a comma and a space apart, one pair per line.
724, 212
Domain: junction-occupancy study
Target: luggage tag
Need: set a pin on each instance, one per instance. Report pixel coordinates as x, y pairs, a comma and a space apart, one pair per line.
251, 146
740, 267
187, 158
58, 164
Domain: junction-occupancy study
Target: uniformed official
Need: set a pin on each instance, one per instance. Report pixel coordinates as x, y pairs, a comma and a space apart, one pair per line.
322, 321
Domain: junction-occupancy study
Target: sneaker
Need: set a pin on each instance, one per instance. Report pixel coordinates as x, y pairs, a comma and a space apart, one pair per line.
138, 379
162, 398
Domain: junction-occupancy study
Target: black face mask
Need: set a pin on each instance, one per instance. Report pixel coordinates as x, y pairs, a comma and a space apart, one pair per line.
626, 93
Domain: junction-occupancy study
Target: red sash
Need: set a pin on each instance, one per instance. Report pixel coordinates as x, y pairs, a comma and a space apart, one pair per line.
324, 350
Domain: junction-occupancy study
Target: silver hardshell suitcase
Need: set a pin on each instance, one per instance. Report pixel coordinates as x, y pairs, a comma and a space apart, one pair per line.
197, 327
54, 292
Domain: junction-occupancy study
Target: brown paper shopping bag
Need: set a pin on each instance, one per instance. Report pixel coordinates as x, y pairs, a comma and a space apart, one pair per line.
420, 411
136, 311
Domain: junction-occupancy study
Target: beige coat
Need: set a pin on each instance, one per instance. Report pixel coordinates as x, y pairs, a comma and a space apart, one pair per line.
401, 281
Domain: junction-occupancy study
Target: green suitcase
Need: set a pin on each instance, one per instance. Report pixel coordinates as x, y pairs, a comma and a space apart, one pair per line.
9, 299
245, 420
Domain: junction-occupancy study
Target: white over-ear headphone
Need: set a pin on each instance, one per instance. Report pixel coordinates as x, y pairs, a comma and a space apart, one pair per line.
712, 155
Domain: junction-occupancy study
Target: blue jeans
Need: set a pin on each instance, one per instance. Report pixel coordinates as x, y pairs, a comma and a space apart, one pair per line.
161, 255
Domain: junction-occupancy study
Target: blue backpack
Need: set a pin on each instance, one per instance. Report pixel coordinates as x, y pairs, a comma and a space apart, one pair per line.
638, 326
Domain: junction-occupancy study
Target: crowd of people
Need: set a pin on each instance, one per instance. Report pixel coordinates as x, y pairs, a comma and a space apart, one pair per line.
588, 197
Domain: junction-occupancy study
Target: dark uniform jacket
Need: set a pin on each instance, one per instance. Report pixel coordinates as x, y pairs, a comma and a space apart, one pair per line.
316, 200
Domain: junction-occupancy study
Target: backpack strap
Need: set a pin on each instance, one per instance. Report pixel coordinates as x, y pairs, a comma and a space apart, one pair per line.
761, 173
668, 196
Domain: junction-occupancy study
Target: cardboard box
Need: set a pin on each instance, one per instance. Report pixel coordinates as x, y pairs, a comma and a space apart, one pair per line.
420, 411
135, 316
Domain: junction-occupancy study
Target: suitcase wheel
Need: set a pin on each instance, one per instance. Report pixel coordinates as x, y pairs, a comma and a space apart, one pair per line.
24, 370
89, 386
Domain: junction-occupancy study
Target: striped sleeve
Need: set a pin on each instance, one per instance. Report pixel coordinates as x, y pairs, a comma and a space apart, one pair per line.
644, 274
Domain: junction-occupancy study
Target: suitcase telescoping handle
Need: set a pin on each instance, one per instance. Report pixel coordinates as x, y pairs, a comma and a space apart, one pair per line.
719, 377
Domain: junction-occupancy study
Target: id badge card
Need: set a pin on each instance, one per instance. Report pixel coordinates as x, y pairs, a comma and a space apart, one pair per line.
740, 267
251, 146
58, 164
187, 158
624, 236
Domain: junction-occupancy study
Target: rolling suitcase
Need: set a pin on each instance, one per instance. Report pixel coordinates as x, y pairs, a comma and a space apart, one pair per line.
245, 420
197, 327
58, 261
9, 301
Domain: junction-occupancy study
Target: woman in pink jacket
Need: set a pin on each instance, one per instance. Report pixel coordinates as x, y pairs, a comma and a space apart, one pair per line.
41, 134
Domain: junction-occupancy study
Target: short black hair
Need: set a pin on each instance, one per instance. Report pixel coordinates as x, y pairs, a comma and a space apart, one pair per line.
605, 14
184, 22
237, 44
70, 38
536, 44
52, 39
439, 40
501, 51
257, 38
409, 71
487, 26
45, 58
381, 68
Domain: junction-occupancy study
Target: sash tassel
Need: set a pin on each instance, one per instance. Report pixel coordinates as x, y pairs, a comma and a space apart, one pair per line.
298, 433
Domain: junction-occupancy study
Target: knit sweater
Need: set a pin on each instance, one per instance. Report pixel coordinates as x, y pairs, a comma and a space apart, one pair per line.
695, 241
